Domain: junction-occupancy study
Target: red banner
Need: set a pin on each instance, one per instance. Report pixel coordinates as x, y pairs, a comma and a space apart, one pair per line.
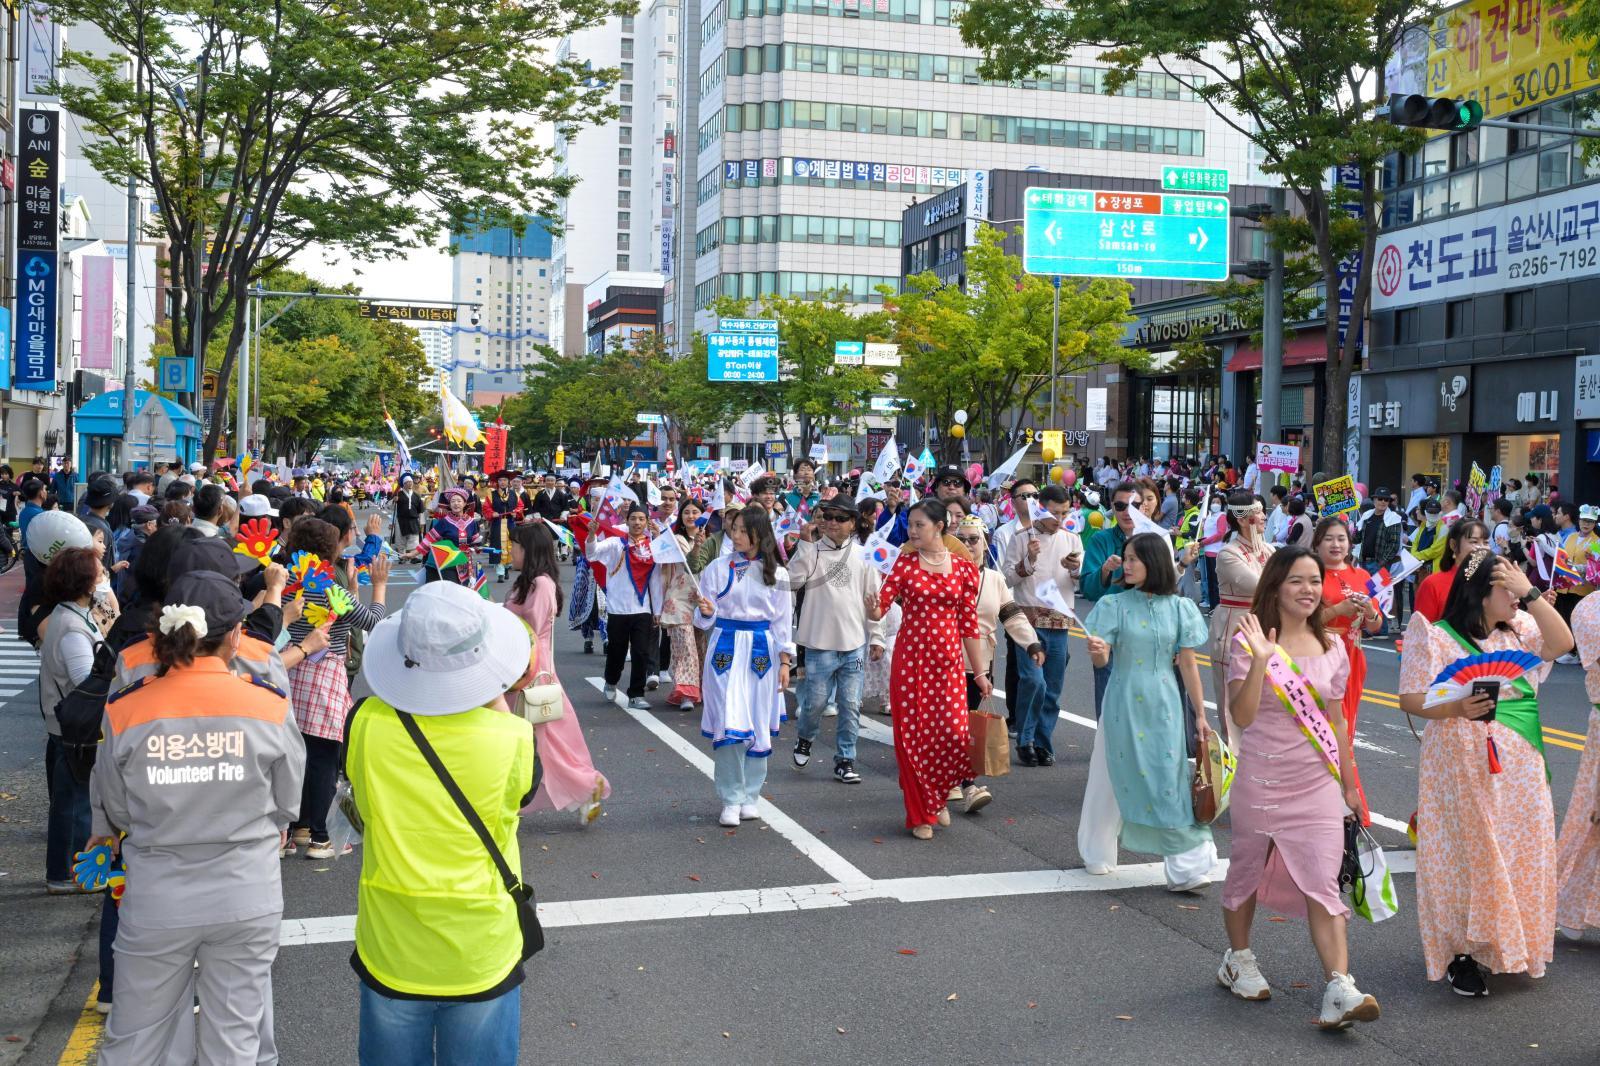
494, 449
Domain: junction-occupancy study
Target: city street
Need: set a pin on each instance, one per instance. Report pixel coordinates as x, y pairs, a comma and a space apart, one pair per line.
826, 932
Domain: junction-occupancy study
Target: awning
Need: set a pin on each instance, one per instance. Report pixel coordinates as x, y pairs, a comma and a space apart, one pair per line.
1304, 349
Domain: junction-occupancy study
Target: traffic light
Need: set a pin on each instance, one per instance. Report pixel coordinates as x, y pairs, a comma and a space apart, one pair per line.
1435, 113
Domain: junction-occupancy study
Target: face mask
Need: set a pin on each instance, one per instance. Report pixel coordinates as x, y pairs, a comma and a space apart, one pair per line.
1216, 506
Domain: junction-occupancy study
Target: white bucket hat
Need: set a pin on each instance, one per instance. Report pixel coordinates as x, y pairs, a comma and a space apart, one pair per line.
446, 652
53, 531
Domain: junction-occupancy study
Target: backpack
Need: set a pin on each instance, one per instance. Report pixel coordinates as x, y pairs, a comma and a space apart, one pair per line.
80, 713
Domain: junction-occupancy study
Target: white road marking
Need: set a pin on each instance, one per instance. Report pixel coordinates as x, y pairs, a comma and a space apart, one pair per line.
831, 861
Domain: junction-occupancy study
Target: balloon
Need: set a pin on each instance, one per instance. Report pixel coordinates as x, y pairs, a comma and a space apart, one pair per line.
1055, 473
975, 473
1048, 455
1070, 478
1097, 519
958, 431
961, 418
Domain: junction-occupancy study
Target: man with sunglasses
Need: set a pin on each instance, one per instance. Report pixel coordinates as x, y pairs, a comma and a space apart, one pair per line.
1022, 491
834, 629
1043, 554
950, 482
1102, 565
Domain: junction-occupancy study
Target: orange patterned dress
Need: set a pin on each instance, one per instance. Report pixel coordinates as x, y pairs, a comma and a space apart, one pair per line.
1578, 850
1486, 843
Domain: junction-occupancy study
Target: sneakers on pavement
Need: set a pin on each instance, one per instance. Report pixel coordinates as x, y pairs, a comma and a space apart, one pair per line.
652, 682
1343, 1003
954, 794
1193, 885
977, 797
748, 812
802, 752
1241, 976
61, 888
729, 817
1569, 932
844, 771
1568, 659
638, 703
686, 706
609, 692
323, 849
830, 711
1466, 977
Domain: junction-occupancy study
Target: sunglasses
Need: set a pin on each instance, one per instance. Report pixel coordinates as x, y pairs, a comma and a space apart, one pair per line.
837, 516
970, 540
1121, 505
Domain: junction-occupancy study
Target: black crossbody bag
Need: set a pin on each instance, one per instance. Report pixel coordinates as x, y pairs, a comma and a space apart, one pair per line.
527, 907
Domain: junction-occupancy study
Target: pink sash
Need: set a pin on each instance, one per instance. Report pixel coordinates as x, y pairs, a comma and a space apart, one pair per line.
1302, 702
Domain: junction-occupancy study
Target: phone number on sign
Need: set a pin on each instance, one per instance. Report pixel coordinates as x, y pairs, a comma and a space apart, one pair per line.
1537, 265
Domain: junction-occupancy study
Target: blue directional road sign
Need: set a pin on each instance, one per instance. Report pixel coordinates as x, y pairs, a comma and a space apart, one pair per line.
177, 374
742, 357
1132, 235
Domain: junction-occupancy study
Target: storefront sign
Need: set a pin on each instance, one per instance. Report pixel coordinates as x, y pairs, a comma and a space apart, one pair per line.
1586, 387
1534, 242
739, 171
1194, 323
977, 204
1094, 410
1278, 457
1384, 414
1347, 176
948, 207
1455, 403
1538, 406
98, 299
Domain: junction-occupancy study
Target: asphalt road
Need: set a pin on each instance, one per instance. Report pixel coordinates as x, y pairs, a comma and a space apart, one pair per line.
824, 931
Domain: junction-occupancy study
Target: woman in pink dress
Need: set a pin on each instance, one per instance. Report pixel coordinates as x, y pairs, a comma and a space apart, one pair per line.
1486, 828
1287, 808
1578, 849
570, 781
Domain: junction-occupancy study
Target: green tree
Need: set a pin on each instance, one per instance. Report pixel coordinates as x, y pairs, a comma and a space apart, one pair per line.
367, 126
986, 349
1300, 80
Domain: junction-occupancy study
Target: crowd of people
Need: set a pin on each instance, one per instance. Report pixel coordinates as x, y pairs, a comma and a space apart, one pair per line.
724, 590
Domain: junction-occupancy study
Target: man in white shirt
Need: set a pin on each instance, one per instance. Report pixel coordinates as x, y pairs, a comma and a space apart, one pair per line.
633, 601
1251, 481
1023, 490
1041, 565
1278, 520
834, 628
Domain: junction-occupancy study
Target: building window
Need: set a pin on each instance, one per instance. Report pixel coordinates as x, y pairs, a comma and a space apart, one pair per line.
625, 135
625, 114
627, 71
1405, 325
623, 240
1519, 310
624, 198
624, 219
624, 177
627, 48
1458, 318
625, 155
622, 262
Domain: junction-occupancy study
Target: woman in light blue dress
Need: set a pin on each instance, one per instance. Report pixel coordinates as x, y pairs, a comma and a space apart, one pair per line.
1139, 774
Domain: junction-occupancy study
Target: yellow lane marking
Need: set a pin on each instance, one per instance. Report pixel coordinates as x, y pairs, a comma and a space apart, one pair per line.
83, 1045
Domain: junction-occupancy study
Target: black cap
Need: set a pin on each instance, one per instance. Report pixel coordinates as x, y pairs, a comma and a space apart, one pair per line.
840, 502
950, 473
213, 593
144, 513
1382, 494
278, 493
103, 491
198, 552
1432, 505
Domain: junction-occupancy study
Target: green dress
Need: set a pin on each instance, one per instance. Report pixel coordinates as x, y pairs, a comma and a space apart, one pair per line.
1142, 718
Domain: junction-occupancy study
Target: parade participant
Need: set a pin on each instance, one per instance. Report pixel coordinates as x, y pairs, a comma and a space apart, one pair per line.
552, 501
1100, 574
1041, 566
939, 594
1287, 810
1578, 848
677, 612
1022, 490
1138, 787
439, 948
839, 589
996, 608
200, 825
881, 633
319, 685
410, 510
1238, 568
569, 782
745, 604
764, 490
1461, 540
502, 511
588, 583
66, 657
458, 527
1576, 530
1486, 863
1347, 612
633, 599
803, 496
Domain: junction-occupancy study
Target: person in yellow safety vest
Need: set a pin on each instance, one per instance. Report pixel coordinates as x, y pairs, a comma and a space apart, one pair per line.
1189, 522
439, 949
1429, 540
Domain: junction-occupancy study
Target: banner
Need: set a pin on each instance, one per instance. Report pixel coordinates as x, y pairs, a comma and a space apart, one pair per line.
1336, 496
99, 300
494, 449
38, 284
1278, 457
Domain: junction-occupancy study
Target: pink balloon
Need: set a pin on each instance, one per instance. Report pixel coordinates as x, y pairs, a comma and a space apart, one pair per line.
1069, 478
1361, 490
975, 473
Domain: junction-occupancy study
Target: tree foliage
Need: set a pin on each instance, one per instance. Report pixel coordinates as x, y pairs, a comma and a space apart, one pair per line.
1301, 81
363, 125
986, 350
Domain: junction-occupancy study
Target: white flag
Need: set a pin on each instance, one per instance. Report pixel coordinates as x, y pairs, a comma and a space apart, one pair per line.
666, 549
1007, 468
1049, 594
718, 501
888, 464
748, 475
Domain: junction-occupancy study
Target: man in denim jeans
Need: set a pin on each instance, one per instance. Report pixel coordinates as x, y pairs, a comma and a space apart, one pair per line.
1102, 566
834, 629
1041, 565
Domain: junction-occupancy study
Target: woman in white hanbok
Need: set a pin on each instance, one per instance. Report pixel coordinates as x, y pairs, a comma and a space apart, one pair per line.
746, 606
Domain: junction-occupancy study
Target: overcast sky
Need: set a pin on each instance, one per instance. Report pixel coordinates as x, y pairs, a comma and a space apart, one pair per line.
422, 275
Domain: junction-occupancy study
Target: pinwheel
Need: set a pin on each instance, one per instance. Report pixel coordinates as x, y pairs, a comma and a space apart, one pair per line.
257, 538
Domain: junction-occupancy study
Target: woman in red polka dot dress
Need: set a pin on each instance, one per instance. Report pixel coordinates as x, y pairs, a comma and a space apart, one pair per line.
936, 649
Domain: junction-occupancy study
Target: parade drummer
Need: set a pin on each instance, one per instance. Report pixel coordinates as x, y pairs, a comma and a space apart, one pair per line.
201, 770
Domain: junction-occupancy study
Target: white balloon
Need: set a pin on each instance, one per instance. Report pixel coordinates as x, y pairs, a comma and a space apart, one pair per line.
961, 418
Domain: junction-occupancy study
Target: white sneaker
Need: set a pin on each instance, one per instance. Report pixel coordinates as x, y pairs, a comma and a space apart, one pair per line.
830, 711
1568, 659
1098, 869
686, 706
1569, 932
1344, 1003
652, 682
729, 817
748, 812
1194, 885
1241, 976
609, 692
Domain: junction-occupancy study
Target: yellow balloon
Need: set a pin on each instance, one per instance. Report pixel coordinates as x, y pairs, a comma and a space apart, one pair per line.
1055, 474
1096, 519
958, 432
1048, 455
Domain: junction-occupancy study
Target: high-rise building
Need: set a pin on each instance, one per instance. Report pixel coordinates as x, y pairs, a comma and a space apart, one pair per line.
507, 277
618, 217
438, 347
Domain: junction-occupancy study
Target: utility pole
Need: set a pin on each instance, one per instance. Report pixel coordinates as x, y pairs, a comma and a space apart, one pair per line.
241, 402
131, 265
195, 347
1055, 345
1272, 332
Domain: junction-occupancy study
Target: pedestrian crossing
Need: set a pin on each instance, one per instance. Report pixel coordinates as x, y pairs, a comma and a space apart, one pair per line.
19, 666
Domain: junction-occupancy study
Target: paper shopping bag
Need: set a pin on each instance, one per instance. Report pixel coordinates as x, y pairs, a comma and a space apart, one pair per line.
990, 748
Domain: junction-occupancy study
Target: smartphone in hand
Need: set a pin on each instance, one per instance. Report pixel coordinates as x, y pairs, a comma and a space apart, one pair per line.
1490, 688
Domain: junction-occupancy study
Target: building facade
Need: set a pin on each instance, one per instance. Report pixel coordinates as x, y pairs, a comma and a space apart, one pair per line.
508, 277
620, 308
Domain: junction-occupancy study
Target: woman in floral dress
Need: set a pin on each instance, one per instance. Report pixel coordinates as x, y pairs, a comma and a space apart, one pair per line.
1486, 840
1346, 611
1578, 850
1238, 569
936, 649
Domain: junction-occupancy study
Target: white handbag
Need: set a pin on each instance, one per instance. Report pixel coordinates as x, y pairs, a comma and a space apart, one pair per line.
540, 703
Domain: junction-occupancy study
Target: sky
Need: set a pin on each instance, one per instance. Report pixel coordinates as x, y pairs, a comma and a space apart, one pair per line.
423, 274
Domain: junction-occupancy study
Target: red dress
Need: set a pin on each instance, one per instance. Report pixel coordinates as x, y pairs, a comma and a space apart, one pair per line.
1432, 593
1337, 585
928, 680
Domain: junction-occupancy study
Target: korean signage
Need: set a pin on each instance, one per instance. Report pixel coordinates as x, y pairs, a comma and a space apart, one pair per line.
1535, 242
940, 210
41, 46
1506, 54
494, 449
751, 171
1347, 176
38, 282
849, 353
1586, 387
1110, 234
742, 357
98, 298
881, 354
405, 312
1278, 457
668, 173
977, 203
1194, 179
